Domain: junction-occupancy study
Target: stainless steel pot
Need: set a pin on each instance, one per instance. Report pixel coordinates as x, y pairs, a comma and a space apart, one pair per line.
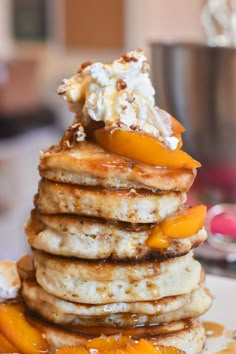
197, 84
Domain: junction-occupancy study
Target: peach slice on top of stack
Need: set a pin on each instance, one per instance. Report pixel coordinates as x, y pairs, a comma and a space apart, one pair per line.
144, 148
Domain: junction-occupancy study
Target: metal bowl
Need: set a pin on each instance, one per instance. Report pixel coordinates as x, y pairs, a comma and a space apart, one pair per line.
197, 84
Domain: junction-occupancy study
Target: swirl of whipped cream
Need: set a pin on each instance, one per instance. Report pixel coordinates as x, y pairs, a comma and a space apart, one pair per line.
120, 94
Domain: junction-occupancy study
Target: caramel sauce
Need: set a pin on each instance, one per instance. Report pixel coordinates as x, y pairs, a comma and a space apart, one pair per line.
213, 329
25, 268
230, 349
134, 332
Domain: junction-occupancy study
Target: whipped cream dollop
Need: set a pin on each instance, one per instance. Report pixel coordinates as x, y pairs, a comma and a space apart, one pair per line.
120, 94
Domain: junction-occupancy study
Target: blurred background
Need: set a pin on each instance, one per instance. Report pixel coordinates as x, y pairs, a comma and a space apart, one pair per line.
42, 42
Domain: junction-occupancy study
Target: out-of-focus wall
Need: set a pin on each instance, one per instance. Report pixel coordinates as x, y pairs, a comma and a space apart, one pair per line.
177, 20
5, 29
163, 20
145, 21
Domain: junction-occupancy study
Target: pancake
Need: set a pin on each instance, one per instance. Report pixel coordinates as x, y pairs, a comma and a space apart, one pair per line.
133, 206
124, 314
187, 335
88, 164
90, 238
106, 282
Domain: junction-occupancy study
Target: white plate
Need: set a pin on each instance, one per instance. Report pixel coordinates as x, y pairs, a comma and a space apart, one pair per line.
223, 311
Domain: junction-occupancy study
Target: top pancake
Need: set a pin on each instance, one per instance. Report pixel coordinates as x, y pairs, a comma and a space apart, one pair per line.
87, 164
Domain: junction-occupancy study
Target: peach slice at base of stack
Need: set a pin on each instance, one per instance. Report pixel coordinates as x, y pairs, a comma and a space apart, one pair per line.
16, 329
5, 346
119, 344
144, 148
181, 224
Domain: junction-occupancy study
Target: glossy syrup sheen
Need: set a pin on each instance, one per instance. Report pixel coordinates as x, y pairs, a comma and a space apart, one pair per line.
213, 329
230, 349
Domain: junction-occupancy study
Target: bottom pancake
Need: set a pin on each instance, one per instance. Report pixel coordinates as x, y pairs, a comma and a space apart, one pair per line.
187, 335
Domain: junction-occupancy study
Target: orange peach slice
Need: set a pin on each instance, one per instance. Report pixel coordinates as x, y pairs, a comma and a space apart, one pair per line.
119, 345
182, 224
109, 342
73, 350
143, 147
5, 346
19, 332
176, 126
143, 346
171, 350
157, 239
185, 222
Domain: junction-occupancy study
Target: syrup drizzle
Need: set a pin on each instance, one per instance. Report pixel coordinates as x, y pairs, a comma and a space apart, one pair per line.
230, 349
213, 329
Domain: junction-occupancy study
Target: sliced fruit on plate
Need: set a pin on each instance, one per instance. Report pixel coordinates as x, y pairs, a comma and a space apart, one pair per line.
16, 329
73, 350
119, 344
6, 346
109, 342
144, 148
181, 224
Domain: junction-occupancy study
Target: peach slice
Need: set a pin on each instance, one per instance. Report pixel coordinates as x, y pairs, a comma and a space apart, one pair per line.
5, 346
73, 350
185, 222
157, 239
14, 326
181, 224
143, 346
143, 147
119, 344
171, 350
176, 126
109, 342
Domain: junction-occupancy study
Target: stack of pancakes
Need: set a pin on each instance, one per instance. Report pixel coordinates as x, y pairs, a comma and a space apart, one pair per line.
93, 271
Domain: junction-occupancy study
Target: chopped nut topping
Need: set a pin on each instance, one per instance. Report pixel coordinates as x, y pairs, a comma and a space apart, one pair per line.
83, 66
128, 58
80, 134
133, 191
74, 133
62, 89
120, 85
